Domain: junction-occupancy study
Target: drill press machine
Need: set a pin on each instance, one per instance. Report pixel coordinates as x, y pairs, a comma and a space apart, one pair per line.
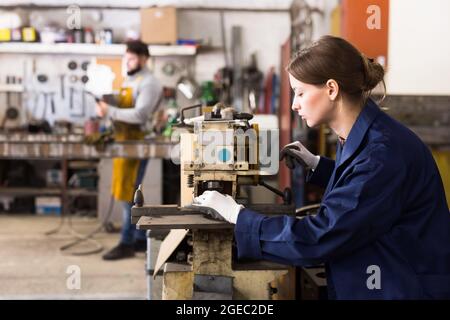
221, 151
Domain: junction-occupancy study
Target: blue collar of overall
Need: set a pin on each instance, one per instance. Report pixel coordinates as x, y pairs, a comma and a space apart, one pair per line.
369, 112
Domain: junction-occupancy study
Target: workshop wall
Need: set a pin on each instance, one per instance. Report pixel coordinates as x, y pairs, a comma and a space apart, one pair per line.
322, 21
256, 26
262, 33
73, 105
125, 22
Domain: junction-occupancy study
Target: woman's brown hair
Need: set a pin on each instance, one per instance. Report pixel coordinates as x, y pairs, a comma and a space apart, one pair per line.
335, 58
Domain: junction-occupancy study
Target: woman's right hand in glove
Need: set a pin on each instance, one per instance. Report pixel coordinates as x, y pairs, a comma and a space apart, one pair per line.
296, 153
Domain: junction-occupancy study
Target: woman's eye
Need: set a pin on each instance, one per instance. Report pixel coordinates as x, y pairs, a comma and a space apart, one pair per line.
299, 94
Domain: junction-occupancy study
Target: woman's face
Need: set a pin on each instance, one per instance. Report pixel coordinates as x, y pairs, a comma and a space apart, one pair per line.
311, 102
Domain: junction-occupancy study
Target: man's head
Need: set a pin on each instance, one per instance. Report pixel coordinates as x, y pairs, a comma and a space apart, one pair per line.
136, 56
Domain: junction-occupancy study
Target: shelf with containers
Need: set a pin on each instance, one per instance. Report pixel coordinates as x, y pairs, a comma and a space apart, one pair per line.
92, 49
59, 191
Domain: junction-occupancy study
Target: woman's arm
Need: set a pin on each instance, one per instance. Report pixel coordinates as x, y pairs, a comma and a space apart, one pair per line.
321, 175
352, 215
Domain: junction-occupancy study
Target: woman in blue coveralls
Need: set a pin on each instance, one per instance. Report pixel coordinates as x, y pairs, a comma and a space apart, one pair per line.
384, 209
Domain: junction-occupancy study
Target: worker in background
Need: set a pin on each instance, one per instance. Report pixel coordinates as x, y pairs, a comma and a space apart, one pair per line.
138, 99
383, 227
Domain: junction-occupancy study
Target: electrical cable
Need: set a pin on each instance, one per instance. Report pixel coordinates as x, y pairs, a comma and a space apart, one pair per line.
87, 237
80, 238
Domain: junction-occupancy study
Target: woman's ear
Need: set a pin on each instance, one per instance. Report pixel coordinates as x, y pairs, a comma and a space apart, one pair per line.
332, 89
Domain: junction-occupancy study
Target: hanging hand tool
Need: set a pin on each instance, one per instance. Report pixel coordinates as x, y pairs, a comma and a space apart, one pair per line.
52, 102
71, 98
45, 105
72, 65
82, 113
42, 78
12, 112
36, 101
97, 99
83, 103
84, 65
84, 79
61, 79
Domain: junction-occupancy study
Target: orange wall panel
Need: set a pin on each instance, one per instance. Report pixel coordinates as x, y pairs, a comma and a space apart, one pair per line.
357, 16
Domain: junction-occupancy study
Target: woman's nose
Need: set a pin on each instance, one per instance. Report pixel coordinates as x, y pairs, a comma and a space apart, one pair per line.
295, 106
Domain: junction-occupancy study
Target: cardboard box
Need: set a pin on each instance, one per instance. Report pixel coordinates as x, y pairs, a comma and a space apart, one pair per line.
159, 25
48, 205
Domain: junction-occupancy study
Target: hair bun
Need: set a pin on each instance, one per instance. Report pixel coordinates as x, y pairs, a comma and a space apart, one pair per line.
374, 73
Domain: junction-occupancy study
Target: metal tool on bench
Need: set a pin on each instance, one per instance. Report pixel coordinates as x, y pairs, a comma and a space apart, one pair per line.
219, 151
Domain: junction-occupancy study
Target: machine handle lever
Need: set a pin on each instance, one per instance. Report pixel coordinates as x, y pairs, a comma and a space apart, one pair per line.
286, 194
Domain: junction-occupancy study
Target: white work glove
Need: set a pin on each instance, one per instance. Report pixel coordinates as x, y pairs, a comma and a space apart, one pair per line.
295, 152
218, 206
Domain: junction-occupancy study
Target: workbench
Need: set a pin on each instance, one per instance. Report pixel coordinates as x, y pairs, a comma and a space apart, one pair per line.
211, 272
72, 146
66, 147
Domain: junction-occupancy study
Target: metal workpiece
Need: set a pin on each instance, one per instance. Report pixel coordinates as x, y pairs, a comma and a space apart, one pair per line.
166, 217
160, 211
156, 211
189, 221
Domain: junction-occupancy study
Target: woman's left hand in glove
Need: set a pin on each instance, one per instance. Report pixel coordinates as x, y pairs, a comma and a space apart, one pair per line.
218, 206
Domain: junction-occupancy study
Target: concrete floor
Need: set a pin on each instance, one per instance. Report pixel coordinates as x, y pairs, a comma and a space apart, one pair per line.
33, 267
